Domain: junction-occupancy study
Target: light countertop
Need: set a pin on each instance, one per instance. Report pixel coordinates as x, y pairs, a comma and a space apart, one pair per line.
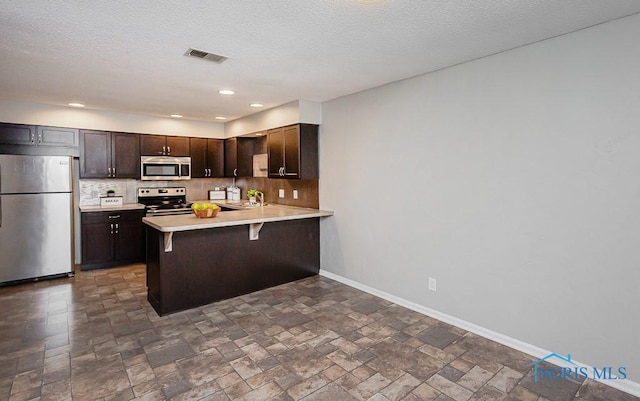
97, 208
263, 214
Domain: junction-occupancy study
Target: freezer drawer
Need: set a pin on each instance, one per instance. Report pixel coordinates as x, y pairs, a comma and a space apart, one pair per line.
35, 235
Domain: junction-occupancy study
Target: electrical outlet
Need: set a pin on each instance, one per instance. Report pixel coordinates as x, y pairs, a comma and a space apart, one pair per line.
295, 194
432, 284
281, 193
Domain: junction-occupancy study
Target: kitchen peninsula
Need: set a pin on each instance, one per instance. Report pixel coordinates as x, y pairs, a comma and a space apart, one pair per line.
193, 261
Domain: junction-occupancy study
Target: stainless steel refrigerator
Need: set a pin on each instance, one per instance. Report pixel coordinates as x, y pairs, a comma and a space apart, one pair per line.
36, 216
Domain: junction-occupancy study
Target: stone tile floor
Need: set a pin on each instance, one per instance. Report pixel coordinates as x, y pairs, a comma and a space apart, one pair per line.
95, 337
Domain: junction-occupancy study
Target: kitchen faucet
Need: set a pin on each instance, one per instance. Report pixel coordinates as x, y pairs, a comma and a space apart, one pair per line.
260, 198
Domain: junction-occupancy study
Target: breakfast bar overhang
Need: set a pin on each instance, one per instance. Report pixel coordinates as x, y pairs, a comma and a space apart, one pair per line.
193, 262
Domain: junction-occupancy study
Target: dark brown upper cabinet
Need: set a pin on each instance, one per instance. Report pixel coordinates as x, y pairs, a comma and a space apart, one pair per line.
154, 145
293, 151
238, 157
36, 139
207, 157
109, 154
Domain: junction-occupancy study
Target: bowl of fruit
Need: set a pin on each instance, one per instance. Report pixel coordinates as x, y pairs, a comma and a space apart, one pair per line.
205, 210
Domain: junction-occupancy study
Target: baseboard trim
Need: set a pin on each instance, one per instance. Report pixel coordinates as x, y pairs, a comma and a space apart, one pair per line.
627, 386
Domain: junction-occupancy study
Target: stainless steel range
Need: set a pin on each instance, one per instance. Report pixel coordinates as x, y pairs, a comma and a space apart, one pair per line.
164, 201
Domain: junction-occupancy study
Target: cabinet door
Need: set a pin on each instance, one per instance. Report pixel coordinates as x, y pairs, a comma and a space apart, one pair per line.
129, 240
245, 157
97, 243
17, 134
152, 145
125, 155
56, 136
215, 157
178, 146
199, 158
231, 157
275, 145
95, 154
291, 137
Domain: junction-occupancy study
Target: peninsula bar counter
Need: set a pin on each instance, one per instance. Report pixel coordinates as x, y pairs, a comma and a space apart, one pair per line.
196, 261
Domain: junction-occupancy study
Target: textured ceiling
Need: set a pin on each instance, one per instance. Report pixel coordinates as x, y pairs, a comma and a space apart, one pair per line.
128, 55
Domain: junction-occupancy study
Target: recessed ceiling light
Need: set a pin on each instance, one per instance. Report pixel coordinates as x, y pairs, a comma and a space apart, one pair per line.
74, 104
226, 92
176, 115
256, 105
220, 118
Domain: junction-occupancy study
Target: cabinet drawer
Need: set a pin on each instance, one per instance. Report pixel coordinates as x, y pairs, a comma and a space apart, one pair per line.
113, 216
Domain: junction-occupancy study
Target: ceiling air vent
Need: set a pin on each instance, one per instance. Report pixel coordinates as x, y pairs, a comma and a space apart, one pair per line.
205, 55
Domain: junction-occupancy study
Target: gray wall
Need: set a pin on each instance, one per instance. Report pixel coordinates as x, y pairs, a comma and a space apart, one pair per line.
514, 180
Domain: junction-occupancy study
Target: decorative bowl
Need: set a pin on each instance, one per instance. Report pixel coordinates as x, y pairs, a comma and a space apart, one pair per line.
206, 212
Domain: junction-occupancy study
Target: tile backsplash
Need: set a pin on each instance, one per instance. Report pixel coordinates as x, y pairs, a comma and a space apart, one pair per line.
92, 189
198, 189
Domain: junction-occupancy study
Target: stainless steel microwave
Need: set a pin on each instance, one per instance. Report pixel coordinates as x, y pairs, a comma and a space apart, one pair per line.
165, 168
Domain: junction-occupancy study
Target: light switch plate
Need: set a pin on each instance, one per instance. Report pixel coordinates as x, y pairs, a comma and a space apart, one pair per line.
295, 194
281, 193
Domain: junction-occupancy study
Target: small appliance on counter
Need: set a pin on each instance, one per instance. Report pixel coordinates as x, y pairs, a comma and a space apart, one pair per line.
233, 193
218, 193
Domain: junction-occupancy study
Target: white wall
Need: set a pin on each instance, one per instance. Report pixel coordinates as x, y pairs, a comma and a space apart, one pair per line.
298, 111
514, 180
41, 114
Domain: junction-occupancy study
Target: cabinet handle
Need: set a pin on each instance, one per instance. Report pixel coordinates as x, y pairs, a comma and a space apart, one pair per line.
168, 150
40, 138
114, 173
209, 172
117, 227
235, 172
163, 150
32, 138
111, 228
114, 216
109, 172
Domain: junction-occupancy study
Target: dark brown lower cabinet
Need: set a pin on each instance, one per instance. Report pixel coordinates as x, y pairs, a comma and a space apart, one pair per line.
209, 265
112, 238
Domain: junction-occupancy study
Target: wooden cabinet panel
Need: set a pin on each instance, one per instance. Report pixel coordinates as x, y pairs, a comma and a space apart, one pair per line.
22, 139
231, 157
153, 145
125, 155
109, 155
57, 136
207, 157
238, 157
275, 139
129, 240
97, 243
112, 238
178, 146
95, 154
215, 157
17, 134
198, 157
293, 151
